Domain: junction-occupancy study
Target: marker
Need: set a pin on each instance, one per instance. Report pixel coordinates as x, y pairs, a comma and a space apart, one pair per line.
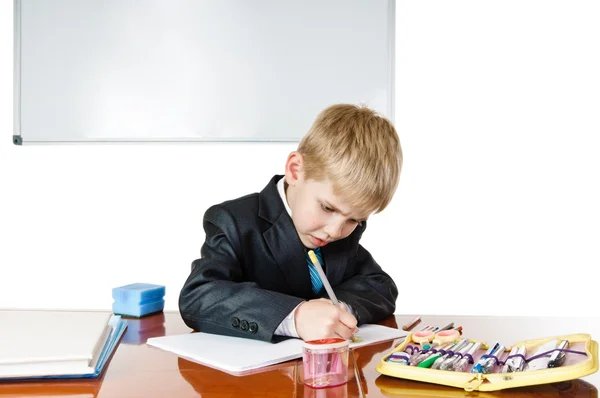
448, 364
489, 363
425, 355
456, 349
400, 358
558, 357
508, 363
543, 354
430, 360
461, 365
482, 364
518, 363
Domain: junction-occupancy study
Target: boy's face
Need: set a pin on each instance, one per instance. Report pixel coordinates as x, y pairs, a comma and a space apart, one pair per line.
320, 216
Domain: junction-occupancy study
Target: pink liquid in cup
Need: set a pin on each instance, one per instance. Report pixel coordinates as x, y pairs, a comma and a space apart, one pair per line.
325, 362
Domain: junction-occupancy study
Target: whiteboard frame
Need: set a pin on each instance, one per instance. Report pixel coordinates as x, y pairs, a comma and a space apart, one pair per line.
17, 137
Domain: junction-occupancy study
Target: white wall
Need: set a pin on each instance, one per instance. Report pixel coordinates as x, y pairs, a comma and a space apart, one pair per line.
498, 112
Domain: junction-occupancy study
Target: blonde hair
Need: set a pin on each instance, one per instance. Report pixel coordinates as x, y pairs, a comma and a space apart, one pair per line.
358, 151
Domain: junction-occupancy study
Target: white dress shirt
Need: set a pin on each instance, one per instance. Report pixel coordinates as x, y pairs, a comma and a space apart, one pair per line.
287, 327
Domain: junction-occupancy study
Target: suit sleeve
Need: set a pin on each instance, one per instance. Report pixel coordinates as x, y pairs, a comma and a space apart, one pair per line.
217, 299
367, 288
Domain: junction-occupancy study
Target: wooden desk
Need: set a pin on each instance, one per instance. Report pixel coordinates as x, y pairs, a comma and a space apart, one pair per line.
138, 370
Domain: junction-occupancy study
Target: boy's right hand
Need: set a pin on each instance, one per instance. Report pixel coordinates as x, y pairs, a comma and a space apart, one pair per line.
320, 319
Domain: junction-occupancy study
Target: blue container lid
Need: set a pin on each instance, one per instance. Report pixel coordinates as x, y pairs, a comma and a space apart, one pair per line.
138, 292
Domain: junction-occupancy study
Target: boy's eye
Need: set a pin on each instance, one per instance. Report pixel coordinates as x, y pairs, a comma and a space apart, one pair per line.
326, 208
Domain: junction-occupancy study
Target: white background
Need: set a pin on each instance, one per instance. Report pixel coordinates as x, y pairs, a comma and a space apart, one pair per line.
497, 108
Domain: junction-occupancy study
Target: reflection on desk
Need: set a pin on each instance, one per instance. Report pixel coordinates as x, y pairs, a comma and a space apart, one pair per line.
393, 387
139, 330
282, 380
51, 388
279, 379
138, 370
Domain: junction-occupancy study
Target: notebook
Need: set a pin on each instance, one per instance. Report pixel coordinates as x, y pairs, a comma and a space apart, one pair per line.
42, 344
236, 355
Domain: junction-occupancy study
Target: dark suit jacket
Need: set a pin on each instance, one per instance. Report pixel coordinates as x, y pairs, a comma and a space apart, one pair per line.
253, 272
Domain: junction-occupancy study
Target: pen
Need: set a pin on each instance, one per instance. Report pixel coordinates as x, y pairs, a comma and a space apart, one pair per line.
328, 288
411, 324
448, 326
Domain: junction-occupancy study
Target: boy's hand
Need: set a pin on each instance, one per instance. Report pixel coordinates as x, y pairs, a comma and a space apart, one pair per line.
320, 319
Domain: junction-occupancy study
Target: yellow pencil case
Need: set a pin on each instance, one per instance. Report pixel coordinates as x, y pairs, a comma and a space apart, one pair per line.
581, 359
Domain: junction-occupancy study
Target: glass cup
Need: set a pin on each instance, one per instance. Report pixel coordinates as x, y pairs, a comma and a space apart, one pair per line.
325, 362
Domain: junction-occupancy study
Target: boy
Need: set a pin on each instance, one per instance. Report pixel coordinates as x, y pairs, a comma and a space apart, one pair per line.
253, 279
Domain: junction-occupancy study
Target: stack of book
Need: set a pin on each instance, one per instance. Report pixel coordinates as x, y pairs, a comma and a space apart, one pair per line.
57, 344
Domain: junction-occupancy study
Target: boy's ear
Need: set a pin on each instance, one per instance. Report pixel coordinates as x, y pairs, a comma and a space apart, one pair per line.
294, 168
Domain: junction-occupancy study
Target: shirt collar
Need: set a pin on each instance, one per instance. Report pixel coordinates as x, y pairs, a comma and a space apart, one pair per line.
281, 190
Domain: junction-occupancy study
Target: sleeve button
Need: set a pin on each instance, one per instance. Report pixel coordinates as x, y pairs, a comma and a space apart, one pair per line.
253, 327
244, 325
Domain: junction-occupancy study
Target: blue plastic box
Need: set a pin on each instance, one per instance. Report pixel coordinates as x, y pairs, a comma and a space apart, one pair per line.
138, 299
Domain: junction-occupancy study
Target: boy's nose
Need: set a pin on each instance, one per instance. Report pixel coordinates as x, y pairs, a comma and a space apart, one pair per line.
334, 231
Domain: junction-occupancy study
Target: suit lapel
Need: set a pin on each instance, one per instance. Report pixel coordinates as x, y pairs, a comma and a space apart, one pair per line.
283, 241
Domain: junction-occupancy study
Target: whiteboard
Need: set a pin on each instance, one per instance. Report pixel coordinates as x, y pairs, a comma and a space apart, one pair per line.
192, 70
